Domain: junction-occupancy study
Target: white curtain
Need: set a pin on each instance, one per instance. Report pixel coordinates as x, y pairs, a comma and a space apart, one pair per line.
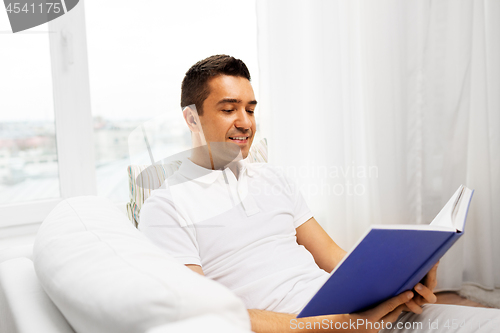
382, 109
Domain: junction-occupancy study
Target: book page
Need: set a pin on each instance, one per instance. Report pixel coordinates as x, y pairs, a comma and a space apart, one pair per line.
445, 216
412, 227
461, 211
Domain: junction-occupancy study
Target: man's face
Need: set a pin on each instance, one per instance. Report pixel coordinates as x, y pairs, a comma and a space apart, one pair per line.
228, 112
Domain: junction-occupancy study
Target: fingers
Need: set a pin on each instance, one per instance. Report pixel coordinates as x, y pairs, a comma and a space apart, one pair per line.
426, 293
405, 308
413, 307
393, 315
391, 304
431, 279
419, 300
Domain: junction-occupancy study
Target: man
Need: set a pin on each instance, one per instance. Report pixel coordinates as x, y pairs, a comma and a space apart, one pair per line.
246, 225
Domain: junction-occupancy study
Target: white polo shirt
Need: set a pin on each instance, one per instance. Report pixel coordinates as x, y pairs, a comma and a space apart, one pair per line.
240, 231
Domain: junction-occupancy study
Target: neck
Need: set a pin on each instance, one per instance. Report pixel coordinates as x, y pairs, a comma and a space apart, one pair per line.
202, 157
205, 157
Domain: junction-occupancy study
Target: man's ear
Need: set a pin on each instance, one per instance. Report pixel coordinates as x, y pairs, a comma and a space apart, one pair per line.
192, 119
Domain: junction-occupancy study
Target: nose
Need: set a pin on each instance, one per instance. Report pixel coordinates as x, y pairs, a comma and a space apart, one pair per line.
243, 121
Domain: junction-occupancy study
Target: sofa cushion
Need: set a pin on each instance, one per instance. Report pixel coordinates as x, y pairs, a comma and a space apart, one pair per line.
105, 276
24, 306
18, 251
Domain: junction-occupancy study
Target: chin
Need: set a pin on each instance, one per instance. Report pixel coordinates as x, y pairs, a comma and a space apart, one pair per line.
244, 153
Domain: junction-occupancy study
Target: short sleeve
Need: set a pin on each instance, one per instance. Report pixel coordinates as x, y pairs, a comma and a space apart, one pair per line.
301, 211
160, 222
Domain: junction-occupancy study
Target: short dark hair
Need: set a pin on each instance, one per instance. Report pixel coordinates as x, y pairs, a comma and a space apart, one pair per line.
194, 89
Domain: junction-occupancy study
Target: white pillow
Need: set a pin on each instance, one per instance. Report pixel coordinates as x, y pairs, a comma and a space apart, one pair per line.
105, 276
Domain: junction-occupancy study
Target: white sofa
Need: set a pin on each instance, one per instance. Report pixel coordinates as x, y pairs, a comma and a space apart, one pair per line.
92, 271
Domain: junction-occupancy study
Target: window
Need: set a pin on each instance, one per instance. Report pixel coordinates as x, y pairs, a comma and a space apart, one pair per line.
44, 91
28, 152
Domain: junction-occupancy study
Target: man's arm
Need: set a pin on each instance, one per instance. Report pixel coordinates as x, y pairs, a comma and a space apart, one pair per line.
276, 322
325, 251
386, 312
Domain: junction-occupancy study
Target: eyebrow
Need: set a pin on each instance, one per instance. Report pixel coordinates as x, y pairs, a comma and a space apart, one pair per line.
234, 101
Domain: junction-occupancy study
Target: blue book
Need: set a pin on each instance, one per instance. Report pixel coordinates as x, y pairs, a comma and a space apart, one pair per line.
388, 260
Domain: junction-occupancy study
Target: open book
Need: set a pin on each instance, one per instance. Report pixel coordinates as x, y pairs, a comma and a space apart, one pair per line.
388, 260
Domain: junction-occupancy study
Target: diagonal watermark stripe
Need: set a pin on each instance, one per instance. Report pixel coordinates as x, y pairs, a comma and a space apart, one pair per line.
26, 14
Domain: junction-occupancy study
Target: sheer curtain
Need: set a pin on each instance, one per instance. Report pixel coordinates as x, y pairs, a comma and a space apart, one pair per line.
381, 109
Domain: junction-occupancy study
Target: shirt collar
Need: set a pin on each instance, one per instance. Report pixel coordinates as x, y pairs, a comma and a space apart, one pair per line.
193, 171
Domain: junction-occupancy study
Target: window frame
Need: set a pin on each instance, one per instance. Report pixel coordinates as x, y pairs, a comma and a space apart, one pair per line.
73, 123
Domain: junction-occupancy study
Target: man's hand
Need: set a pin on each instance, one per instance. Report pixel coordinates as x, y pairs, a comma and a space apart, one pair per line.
369, 321
424, 292
386, 312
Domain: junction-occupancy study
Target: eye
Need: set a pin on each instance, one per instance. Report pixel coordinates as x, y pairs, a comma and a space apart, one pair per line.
228, 111
250, 111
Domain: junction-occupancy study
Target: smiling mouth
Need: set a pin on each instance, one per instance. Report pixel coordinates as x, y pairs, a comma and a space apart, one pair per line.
239, 139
